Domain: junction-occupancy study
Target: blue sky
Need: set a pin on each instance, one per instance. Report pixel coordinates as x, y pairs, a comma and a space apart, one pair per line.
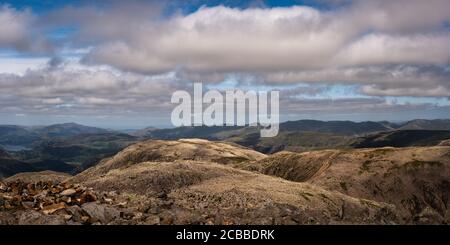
116, 63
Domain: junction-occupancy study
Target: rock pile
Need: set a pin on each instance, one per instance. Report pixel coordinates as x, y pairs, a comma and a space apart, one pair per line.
67, 203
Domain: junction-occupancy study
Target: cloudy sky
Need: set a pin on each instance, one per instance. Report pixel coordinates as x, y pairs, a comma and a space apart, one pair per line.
116, 63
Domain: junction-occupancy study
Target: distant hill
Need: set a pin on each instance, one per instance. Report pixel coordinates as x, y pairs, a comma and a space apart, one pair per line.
10, 166
335, 127
403, 138
4, 154
53, 165
78, 149
438, 124
305, 135
68, 129
141, 132
221, 132
27, 136
17, 135
203, 132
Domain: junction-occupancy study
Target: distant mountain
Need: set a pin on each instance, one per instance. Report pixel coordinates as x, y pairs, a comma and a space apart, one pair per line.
4, 154
335, 127
141, 132
78, 149
403, 138
203, 132
220, 132
301, 135
305, 135
438, 124
10, 166
67, 130
27, 136
294, 141
16, 135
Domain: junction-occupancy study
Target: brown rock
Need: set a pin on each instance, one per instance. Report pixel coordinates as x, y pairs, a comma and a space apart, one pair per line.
3, 186
27, 205
6, 218
32, 217
108, 200
76, 212
152, 220
100, 212
53, 208
84, 219
68, 192
66, 199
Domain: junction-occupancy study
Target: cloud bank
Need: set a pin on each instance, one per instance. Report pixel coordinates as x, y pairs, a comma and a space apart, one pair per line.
130, 56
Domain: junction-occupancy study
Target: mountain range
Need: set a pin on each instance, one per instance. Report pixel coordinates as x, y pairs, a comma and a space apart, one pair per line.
72, 147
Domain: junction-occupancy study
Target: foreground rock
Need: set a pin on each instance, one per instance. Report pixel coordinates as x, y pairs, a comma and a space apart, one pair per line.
34, 203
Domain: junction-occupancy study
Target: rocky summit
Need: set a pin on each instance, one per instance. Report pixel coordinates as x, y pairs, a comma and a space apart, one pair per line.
192, 181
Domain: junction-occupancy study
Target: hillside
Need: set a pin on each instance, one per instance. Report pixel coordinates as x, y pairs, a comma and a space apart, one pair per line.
193, 185
167, 151
415, 180
293, 141
4, 154
17, 135
43, 176
402, 138
10, 165
336, 127
437, 124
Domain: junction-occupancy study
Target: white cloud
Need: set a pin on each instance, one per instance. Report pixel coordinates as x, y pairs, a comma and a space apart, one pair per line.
21, 65
222, 39
133, 57
13, 28
19, 31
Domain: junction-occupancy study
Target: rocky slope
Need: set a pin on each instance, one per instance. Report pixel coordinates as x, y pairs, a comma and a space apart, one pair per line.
416, 180
194, 192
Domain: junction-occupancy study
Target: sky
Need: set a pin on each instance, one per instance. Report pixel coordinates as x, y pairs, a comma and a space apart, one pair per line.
116, 63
